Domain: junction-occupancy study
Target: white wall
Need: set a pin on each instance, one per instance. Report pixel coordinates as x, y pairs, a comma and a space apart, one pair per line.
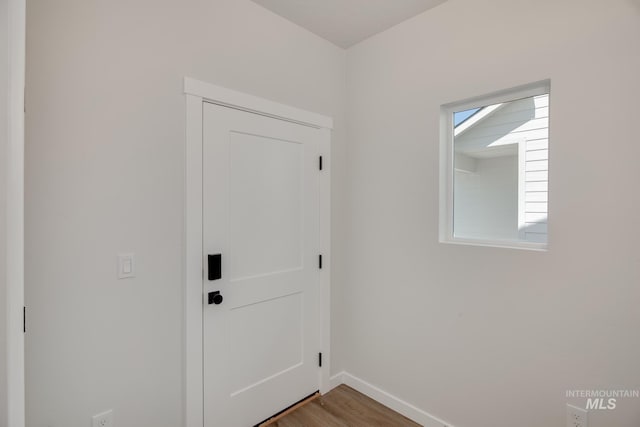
105, 144
4, 133
478, 345
486, 201
481, 336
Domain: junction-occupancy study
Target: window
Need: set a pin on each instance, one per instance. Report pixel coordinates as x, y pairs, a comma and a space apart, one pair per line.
494, 169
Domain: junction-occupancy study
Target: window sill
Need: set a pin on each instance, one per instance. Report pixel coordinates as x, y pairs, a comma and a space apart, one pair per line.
504, 244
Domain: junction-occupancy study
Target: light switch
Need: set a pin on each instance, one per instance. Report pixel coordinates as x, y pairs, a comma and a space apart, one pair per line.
126, 266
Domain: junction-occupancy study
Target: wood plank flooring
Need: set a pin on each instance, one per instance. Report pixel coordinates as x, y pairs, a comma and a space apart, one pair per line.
343, 407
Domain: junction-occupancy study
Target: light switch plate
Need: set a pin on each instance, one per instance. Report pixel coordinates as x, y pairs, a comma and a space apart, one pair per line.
126, 266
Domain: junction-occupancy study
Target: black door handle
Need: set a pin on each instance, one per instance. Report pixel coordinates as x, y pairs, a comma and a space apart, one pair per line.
215, 298
215, 266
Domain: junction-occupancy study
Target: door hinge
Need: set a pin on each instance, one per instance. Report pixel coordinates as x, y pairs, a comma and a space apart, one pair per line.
24, 319
320, 360
320, 163
320, 262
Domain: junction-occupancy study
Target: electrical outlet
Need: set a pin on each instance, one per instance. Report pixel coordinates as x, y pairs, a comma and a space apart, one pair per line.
104, 419
577, 417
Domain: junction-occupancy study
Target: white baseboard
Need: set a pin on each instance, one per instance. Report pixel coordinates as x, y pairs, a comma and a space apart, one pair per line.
336, 380
387, 399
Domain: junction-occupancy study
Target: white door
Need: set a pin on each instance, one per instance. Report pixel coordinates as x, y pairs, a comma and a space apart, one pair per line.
261, 216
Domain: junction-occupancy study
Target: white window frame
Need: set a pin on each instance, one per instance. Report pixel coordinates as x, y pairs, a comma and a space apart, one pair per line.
447, 164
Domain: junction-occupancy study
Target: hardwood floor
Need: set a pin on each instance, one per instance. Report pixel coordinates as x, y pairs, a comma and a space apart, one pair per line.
343, 407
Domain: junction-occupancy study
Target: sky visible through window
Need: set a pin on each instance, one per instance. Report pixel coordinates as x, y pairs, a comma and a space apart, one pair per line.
461, 116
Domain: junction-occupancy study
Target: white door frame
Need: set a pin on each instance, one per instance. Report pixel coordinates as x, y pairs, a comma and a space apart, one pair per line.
15, 214
196, 93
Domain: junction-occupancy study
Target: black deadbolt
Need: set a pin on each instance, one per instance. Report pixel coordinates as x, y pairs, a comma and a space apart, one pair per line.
215, 298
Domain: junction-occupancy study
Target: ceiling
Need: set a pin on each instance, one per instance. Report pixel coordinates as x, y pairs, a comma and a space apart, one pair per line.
347, 22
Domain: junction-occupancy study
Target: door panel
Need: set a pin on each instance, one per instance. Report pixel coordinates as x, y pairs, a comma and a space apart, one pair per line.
261, 212
266, 194
281, 338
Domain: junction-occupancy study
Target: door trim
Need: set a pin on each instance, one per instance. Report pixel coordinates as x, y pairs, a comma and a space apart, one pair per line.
243, 101
198, 92
14, 164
